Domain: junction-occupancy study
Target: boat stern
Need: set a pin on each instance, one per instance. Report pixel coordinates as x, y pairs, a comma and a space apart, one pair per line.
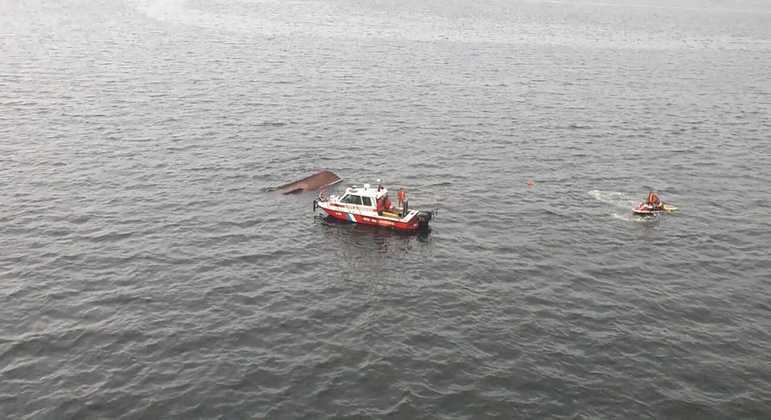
424, 217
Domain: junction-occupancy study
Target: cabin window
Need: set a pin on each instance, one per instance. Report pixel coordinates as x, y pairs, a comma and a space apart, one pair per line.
367, 201
352, 199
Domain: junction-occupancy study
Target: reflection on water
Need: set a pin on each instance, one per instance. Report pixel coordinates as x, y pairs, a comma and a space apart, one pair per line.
368, 241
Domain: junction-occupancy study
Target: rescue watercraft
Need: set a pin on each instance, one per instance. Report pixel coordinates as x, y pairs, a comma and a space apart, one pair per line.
645, 209
371, 206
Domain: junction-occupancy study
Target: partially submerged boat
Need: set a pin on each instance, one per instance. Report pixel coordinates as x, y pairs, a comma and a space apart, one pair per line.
314, 182
371, 206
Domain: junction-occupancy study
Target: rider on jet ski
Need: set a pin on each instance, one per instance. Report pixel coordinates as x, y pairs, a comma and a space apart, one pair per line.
654, 201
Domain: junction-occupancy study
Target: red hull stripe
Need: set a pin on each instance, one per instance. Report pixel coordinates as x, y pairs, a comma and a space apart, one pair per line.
372, 221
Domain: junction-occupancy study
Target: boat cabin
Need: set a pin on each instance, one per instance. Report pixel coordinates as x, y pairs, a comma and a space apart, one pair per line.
370, 198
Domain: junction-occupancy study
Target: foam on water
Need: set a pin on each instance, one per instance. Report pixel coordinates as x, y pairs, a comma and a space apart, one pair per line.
615, 198
620, 200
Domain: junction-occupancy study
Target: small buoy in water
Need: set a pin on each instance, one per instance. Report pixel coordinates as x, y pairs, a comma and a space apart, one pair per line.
530, 183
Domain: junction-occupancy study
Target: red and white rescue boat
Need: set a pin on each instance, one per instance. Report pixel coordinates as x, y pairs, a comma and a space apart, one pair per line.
371, 206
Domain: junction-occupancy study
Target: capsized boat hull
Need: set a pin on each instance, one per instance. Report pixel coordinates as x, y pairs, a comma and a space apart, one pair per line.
314, 182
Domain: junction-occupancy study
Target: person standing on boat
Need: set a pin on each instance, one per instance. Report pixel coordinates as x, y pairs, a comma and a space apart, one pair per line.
401, 198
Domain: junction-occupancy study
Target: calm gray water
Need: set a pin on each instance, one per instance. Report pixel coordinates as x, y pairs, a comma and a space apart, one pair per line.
147, 272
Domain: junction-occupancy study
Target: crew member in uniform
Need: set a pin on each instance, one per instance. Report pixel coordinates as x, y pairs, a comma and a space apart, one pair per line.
401, 197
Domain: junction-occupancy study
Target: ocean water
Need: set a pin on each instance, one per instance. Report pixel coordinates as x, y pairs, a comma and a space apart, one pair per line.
148, 272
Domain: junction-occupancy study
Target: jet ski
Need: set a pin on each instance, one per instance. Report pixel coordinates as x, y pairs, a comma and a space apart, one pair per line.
645, 209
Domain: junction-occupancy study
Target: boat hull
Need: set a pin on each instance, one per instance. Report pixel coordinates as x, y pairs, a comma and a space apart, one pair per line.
411, 225
314, 182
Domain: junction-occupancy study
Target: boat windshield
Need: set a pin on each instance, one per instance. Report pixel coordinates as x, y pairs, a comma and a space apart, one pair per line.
351, 199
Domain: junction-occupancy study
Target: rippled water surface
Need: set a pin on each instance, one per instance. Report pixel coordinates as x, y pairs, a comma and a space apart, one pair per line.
147, 271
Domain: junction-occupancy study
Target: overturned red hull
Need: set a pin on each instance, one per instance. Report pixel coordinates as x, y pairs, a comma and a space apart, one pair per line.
314, 182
